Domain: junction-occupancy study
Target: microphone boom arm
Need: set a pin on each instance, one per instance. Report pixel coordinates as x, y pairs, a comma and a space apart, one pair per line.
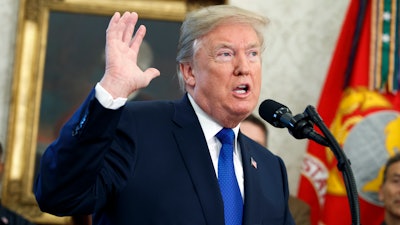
302, 127
343, 163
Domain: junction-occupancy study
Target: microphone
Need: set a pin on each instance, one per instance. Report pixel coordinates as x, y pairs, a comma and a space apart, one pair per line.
280, 116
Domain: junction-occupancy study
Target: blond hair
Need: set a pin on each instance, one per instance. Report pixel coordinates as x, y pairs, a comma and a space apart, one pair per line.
200, 22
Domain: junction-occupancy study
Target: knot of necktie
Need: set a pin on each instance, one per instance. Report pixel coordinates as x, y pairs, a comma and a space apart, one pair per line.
226, 136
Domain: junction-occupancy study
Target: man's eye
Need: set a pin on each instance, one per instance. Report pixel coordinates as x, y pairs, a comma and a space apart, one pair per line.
226, 54
254, 53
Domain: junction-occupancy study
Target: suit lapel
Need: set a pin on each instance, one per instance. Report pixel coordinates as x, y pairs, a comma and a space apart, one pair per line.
196, 156
252, 213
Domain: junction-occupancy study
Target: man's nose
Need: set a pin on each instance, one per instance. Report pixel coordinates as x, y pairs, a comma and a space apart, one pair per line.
242, 66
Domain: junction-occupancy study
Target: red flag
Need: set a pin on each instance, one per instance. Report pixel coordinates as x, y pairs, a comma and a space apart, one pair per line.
364, 121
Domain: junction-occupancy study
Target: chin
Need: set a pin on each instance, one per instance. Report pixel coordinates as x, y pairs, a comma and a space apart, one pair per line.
242, 113
245, 108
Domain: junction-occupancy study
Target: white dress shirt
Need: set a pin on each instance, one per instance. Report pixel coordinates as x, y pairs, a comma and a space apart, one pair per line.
210, 129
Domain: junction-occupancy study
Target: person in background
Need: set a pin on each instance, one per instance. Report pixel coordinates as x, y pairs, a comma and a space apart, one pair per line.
174, 161
8, 216
255, 128
389, 192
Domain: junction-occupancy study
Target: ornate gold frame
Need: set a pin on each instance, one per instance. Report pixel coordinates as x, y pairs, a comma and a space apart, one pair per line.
28, 80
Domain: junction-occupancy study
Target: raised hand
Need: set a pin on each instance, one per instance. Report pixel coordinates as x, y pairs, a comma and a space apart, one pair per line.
122, 74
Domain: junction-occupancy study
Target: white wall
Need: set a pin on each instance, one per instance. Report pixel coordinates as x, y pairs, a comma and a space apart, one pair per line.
300, 42
8, 26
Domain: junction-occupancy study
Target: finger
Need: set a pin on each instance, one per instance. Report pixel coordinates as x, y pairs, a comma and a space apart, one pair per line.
113, 26
129, 23
138, 38
114, 20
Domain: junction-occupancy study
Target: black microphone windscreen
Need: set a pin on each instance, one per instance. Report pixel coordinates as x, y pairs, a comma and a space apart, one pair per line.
268, 109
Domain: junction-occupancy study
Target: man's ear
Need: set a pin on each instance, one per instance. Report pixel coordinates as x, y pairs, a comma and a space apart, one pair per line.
380, 193
380, 177
188, 73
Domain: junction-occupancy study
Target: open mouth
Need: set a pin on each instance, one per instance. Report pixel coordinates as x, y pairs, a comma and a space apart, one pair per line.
242, 89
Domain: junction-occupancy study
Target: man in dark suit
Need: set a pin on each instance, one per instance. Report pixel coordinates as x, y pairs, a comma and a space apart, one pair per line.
159, 162
256, 129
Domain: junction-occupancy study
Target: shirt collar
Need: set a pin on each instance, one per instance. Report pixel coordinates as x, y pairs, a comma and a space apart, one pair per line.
209, 125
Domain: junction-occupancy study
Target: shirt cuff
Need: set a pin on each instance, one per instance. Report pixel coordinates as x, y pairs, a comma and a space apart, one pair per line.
106, 100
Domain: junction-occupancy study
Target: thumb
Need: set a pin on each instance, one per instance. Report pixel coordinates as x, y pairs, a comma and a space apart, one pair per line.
152, 73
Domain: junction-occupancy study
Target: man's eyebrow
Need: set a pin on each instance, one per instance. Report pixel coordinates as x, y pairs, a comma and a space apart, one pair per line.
254, 45
396, 175
227, 45
223, 45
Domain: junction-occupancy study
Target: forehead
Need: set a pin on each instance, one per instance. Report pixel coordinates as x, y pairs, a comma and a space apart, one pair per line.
394, 169
227, 31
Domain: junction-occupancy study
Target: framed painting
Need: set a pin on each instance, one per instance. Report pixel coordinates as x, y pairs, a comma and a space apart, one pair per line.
59, 58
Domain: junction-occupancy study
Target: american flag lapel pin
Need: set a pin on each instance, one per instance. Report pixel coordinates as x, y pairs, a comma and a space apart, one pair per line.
253, 162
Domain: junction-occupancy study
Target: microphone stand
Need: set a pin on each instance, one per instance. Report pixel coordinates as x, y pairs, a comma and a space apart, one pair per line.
343, 163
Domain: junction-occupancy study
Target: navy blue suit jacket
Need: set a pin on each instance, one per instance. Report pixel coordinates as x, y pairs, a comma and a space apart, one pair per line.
148, 163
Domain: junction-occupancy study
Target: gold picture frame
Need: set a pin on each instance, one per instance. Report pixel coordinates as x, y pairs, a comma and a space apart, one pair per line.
28, 83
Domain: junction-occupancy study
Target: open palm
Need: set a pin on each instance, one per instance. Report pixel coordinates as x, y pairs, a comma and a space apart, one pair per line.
122, 74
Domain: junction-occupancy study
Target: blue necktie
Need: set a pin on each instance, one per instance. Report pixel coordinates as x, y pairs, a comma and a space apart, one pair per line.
233, 203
